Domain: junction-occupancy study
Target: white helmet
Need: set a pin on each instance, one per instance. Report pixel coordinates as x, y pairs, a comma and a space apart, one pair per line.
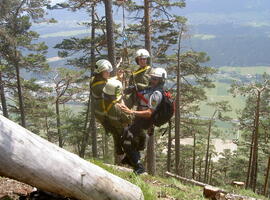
103, 65
113, 87
158, 72
143, 53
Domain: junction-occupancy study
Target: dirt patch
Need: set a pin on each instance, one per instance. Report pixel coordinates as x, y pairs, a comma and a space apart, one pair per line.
13, 189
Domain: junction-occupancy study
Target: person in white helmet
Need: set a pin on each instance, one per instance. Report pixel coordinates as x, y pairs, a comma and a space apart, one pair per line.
134, 139
139, 79
102, 72
108, 112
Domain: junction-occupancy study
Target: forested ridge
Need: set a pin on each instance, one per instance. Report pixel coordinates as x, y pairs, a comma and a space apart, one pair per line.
51, 98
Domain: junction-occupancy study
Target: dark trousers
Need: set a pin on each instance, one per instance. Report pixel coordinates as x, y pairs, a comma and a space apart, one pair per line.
134, 140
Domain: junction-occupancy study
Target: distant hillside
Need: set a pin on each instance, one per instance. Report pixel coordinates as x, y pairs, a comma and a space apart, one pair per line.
233, 33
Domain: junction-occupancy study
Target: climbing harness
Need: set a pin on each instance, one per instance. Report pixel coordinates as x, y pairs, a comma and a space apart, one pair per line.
141, 70
98, 83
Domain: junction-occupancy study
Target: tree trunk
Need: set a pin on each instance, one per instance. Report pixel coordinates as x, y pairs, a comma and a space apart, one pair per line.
209, 166
177, 105
105, 146
208, 146
207, 151
254, 165
49, 136
110, 31
20, 96
92, 126
169, 151
29, 158
194, 155
58, 124
91, 130
3, 97
266, 182
248, 183
211, 173
151, 156
147, 26
200, 170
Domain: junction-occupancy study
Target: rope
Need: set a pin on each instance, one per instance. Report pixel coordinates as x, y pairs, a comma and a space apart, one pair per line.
124, 36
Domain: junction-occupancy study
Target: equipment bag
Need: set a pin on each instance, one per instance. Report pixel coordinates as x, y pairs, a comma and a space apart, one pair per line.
164, 110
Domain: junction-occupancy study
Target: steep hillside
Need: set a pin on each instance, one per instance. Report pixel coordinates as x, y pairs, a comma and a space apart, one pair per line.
154, 188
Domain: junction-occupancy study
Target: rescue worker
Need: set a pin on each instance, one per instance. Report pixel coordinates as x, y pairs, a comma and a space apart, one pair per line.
139, 80
134, 138
102, 72
109, 113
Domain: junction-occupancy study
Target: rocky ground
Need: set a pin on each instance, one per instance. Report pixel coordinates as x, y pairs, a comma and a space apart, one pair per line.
11, 189
15, 190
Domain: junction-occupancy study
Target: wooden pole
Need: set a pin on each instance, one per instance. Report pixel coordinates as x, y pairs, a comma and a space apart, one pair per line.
31, 159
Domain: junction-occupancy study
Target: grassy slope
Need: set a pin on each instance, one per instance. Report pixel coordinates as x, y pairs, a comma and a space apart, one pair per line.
168, 188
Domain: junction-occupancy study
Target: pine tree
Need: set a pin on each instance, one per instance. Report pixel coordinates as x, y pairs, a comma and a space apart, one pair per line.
86, 50
65, 86
16, 37
254, 121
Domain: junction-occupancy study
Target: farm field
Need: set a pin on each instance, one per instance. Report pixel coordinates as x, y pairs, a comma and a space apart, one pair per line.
220, 92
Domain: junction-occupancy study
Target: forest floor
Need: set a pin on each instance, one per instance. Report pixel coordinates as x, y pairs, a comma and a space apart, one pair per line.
154, 188
11, 189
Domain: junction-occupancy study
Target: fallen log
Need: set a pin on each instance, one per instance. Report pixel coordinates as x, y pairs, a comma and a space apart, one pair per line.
210, 191
191, 181
28, 158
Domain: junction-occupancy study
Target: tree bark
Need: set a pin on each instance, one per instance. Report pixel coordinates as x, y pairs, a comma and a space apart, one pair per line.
169, 151
31, 159
151, 153
194, 155
254, 165
58, 124
266, 183
207, 152
105, 146
20, 96
200, 170
208, 146
177, 104
91, 129
248, 183
3, 97
151, 156
110, 31
92, 125
208, 170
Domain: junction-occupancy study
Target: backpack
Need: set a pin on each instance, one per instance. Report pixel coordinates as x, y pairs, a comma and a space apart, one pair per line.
164, 110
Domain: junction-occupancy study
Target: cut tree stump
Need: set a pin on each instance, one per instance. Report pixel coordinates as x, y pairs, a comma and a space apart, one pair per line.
238, 184
211, 192
28, 158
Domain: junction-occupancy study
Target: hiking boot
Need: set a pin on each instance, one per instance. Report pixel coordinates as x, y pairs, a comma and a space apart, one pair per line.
139, 169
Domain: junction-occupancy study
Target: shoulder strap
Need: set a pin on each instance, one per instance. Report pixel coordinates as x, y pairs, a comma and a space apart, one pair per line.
141, 70
97, 83
141, 96
106, 110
